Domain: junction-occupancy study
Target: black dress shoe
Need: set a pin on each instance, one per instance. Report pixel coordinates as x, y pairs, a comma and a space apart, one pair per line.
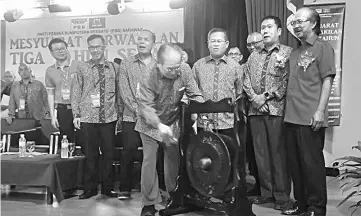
263, 200
124, 195
148, 211
110, 194
254, 192
88, 194
311, 213
292, 211
280, 207
283, 205
307, 214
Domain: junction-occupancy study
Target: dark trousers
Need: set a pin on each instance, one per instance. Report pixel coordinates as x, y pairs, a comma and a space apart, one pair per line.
307, 165
246, 137
95, 136
131, 141
65, 120
270, 152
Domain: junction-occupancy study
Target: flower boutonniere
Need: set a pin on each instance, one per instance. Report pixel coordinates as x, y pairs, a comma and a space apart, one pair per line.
280, 61
306, 60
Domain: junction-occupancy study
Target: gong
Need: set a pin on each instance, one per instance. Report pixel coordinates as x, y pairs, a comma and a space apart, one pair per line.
208, 163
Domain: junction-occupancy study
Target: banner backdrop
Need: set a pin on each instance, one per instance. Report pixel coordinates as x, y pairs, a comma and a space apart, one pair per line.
2, 47
332, 21
27, 40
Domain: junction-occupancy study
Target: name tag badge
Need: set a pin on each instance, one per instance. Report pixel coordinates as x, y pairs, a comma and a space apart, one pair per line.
137, 93
22, 104
65, 94
95, 100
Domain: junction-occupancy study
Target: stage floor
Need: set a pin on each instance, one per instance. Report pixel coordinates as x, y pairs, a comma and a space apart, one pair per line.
20, 203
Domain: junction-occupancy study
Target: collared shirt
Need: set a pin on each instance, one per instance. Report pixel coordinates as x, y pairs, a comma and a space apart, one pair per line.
132, 72
310, 64
58, 78
159, 100
34, 97
87, 84
263, 73
219, 80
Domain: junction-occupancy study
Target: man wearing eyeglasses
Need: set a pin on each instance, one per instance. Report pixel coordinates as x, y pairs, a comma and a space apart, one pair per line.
158, 120
58, 81
312, 69
265, 84
255, 42
96, 106
132, 72
220, 77
235, 54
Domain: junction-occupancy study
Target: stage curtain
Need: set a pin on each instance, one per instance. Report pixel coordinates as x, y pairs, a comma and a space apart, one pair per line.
200, 16
257, 9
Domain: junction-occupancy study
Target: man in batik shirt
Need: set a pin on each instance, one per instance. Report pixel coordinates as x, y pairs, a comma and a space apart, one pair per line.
265, 84
254, 42
96, 107
219, 77
132, 72
158, 120
28, 97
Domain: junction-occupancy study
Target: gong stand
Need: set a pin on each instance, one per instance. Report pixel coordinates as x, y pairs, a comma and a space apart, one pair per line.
193, 191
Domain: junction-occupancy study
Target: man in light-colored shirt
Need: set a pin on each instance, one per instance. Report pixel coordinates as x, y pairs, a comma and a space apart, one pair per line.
132, 72
59, 81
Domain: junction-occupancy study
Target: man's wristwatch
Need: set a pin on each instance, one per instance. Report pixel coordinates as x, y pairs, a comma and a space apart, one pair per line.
268, 95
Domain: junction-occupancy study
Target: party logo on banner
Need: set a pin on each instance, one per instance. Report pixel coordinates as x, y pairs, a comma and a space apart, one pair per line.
77, 24
98, 22
326, 10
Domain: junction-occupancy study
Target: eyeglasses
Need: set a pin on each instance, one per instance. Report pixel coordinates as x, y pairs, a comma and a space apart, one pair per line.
253, 43
92, 48
234, 54
216, 41
298, 22
175, 69
59, 49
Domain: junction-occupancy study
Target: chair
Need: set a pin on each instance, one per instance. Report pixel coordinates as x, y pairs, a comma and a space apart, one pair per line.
50, 137
33, 131
11, 132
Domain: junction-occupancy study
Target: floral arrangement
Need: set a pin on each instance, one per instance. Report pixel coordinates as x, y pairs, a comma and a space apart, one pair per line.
280, 61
